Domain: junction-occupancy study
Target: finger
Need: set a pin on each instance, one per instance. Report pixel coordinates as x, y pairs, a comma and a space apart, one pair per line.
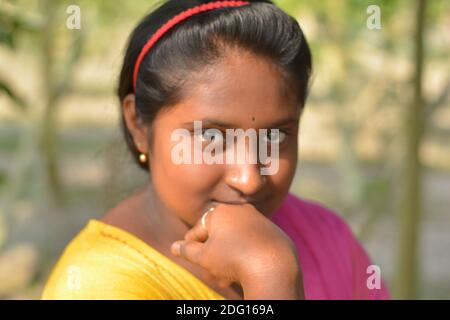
197, 233
209, 277
189, 250
223, 283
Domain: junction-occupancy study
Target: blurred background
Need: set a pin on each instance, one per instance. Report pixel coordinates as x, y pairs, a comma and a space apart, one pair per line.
374, 139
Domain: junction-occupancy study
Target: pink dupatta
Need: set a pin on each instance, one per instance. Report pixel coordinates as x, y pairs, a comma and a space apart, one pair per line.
333, 262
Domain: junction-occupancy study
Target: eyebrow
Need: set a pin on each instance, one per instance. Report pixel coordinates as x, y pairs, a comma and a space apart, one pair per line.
219, 123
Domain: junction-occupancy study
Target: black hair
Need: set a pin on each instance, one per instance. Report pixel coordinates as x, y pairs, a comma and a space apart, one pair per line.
260, 27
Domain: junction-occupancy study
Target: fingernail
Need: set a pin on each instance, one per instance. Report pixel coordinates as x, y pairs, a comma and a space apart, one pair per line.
176, 248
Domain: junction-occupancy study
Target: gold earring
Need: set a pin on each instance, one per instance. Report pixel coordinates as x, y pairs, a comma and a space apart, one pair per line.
143, 158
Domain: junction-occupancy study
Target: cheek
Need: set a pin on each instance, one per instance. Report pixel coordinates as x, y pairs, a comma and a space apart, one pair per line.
183, 188
286, 173
283, 178
281, 181
280, 184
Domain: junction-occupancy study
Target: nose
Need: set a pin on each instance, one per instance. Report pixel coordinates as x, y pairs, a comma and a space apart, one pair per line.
246, 178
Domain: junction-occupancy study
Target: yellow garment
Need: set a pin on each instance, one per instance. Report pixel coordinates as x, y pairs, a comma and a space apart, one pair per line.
106, 262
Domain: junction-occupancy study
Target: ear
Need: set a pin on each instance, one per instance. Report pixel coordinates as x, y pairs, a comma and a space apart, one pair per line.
137, 129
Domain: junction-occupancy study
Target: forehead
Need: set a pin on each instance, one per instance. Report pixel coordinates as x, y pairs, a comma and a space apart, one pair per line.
241, 87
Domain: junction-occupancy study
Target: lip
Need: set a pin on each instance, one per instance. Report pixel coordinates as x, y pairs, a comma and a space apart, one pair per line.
230, 202
253, 202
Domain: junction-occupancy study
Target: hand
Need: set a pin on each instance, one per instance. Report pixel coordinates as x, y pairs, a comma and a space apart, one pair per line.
241, 245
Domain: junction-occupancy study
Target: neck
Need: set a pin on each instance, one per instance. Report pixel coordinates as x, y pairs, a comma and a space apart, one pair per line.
166, 225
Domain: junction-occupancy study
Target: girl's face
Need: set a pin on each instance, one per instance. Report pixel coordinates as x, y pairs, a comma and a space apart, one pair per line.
243, 91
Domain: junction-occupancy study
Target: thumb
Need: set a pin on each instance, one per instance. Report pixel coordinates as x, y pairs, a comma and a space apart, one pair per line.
190, 250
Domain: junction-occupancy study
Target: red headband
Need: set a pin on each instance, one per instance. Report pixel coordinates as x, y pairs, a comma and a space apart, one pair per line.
175, 20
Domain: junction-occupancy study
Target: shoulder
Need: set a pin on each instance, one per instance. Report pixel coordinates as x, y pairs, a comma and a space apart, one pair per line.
311, 214
326, 243
318, 232
97, 264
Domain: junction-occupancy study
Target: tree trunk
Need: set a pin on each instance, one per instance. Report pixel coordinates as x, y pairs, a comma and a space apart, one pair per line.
48, 141
410, 188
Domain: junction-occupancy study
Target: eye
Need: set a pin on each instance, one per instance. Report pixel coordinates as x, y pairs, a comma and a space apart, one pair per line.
275, 136
210, 135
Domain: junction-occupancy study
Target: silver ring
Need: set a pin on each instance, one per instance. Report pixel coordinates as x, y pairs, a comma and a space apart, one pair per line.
204, 217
